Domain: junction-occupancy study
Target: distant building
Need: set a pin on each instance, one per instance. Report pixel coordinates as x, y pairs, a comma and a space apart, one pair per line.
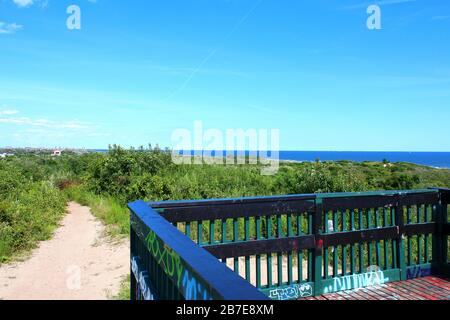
4, 155
56, 153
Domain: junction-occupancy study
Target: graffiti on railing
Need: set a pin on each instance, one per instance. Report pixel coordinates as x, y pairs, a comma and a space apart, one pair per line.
171, 263
418, 272
373, 277
193, 290
141, 279
167, 258
295, 291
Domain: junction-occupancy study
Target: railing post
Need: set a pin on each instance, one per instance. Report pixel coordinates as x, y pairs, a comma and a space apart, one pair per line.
400, 223
445, 197
439, 251
317, 263
436, 259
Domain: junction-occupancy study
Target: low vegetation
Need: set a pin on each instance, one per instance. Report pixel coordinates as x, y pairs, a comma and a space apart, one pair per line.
30, 209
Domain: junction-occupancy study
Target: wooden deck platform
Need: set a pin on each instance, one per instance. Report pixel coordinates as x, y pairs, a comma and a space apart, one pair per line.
428, 288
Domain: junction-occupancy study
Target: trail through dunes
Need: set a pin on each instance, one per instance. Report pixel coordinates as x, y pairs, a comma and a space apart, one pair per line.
79, 263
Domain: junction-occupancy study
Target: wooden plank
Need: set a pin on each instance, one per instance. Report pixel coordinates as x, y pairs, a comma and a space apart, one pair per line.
351, 237
252, 247
422, 198
419, 228
432, 288
218, 202
236, 210
362, 202
418, 290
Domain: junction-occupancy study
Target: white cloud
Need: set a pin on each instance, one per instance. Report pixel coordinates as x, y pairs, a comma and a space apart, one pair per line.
29, 3
23, 3
43, 123
8, 112
8, 28
43, 3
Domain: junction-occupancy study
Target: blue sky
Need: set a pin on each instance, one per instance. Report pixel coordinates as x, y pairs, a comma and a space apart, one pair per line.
139, 69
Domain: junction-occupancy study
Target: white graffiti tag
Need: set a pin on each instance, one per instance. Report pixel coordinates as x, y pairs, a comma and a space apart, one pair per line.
356, 281
141, 279
292, 292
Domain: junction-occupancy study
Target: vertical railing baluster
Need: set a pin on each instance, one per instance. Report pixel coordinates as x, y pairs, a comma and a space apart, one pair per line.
344, 247
290, 234
377, 243
399, 248
279, 254
247, 258
299, 252
188, 230
385, 242
258, 256
370, 243
236, 239
326, 249
310, 251
353, 246
335, 248
394, 241
269, 270
199, 232
280, 268
224, 230
409, 221
361, 245
420, 236
269, 255
212, 232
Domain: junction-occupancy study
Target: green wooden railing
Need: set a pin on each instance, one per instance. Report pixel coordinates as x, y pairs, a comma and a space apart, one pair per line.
297, 246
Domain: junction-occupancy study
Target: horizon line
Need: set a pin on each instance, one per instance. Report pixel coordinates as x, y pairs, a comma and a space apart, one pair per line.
228, 150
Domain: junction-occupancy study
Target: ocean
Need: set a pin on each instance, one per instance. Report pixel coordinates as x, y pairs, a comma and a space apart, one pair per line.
431, 159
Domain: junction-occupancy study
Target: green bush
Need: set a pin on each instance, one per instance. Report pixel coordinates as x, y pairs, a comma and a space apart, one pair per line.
28, 216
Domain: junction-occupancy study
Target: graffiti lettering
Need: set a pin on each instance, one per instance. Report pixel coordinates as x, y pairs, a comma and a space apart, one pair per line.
171, 263
168, 259
418, 272
193, 290
292, 292
356, 281
142, 279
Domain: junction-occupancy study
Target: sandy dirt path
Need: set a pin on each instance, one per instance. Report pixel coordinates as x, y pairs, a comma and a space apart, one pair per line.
78, 263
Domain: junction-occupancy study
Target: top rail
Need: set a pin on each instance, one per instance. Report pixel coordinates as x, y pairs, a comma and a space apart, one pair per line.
296, 197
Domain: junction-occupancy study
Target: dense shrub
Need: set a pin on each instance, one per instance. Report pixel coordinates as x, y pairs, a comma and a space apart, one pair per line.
28, 215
